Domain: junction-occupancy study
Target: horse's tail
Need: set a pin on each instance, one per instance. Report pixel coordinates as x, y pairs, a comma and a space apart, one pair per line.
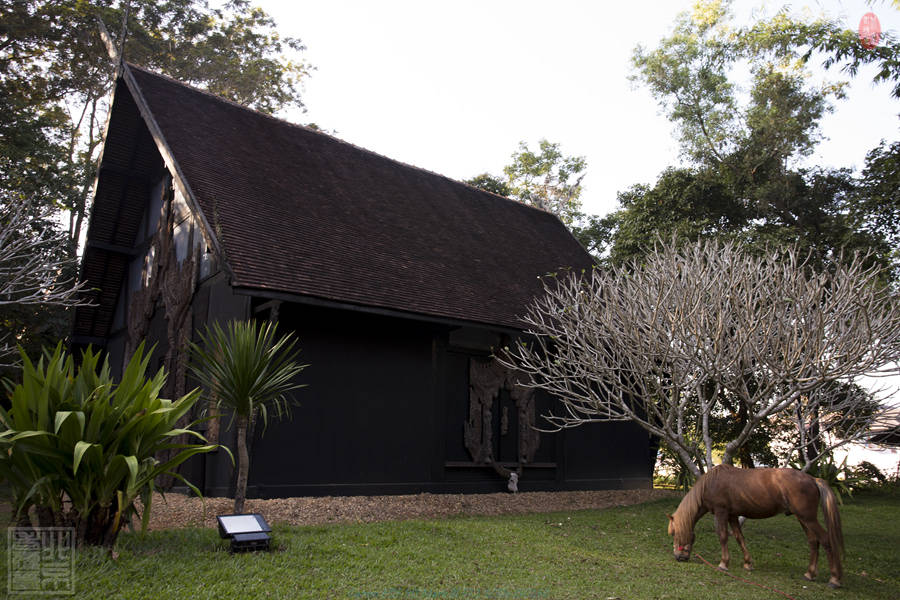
832, 520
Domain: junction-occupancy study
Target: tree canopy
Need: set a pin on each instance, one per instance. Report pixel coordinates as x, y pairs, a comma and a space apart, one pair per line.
828, 41
690, 75
546, 179
743, 176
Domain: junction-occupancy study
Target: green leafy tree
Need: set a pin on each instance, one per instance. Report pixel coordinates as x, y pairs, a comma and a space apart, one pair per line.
687, 203
33, 150
248, 370
816, 210
830, 42
546, 179
490, 183
595, 232
876, 204
81, 449
743, 180
751, 141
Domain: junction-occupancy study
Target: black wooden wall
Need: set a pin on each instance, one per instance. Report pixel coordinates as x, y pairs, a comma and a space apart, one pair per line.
383, 411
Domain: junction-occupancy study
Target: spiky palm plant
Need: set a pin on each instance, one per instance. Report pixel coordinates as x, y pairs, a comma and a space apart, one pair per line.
249, 370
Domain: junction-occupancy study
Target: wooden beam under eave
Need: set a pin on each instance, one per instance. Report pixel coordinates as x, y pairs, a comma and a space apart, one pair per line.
148, 181
114, 248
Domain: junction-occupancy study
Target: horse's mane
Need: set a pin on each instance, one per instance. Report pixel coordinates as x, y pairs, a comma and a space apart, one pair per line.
686, 512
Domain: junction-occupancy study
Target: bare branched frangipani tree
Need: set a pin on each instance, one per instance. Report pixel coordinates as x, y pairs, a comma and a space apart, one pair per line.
707, 330
32, 271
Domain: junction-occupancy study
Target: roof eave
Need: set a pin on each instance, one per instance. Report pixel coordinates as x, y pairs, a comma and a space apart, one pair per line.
374, 310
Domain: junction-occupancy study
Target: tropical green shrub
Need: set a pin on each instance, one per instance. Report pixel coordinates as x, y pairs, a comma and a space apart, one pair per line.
81, 448
249, 370
838, 476
867, 476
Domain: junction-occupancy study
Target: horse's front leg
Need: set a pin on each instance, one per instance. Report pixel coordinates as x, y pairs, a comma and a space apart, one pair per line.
739, 536
721, 519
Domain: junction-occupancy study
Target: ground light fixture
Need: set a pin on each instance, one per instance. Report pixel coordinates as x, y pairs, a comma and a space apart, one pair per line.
247, 532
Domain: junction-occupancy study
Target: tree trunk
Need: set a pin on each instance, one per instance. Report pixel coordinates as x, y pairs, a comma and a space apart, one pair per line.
815, 436
23, 518
46, 516
744, 455
240, 487
96, 528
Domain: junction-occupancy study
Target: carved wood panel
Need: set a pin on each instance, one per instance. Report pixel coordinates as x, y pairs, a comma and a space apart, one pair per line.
486, 380
166, 284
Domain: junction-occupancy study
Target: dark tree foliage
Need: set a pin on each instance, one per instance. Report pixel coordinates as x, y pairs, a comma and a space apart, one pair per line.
743, 181
876, 203
545, 178
594, 233
490, 183
687, 203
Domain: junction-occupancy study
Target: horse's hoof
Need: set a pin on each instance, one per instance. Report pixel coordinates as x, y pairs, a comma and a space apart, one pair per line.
748, 567
833, 585
807, 577
723, 569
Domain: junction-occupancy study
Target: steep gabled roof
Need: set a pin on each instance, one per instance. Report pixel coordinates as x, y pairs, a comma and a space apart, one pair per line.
299, 212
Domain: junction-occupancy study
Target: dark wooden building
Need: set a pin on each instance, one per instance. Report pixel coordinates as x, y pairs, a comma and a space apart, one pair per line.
398, 282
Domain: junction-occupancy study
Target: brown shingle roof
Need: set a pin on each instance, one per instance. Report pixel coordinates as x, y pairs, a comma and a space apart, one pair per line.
301, 212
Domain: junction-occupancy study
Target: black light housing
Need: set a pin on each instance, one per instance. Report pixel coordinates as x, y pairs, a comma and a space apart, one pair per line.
247, 532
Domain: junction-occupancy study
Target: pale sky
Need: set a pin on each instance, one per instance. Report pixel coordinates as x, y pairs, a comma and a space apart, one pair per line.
453, 87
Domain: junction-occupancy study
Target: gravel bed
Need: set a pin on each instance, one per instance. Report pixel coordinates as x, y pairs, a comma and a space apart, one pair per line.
178, 510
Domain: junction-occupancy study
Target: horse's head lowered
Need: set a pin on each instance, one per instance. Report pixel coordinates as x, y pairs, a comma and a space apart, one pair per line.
684, 540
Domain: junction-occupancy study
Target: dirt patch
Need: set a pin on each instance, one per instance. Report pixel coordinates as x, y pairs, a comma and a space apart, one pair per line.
177, 510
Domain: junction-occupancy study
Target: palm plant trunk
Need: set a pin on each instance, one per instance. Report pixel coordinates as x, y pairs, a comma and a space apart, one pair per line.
240, 488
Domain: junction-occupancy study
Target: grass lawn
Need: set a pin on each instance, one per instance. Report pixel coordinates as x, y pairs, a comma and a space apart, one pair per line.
620, 553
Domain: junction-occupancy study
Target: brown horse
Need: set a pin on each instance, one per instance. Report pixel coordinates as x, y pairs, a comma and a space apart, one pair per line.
728, 492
